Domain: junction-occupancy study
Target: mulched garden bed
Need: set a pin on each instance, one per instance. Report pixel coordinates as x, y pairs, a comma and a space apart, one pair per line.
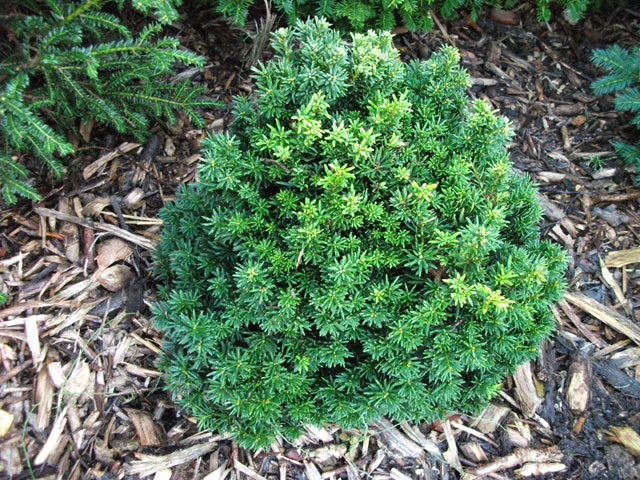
80, 397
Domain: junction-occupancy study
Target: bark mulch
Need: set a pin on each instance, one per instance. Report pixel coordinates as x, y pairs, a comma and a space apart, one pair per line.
80, 397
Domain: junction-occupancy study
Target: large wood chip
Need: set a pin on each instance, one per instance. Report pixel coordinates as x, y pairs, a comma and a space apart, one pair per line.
247, 471
70, 233
312, 471
149, 433
622, 258
152, 464
578, 391
33, 338
79, 379
536, 469
417, 436
474, 452
6, 420
627, 358
56, 374
451, 455
490, 418
569, 110
112, 251
44, 399
518, 457
606, 315
115, 278
506, 17
95, 207
627, 436
617, 378
328, 453
611, 282
53, 438
219, 473
11, 463
396, 474
551, 210
163, 474
519, 434
526, 393
395, 442
319, 434
566, 308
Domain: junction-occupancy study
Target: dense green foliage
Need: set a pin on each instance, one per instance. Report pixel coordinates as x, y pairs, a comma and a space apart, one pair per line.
623, 78
62, 63
358, 15
356, 246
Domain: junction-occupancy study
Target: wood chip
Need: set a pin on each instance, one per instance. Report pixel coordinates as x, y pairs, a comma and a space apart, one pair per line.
578, 391
570, 110
617, 378
115, 277
417, 436
56, 374
627, 436
92, 168
395, 442
551, 210
611, 282
152, 464
163, 474
149, 433
474, 452
627, 358
622, 258
566, 308
312, 471
606, 315
519, 457
6, 420
551, 177
604, 173
95, 207
218, 474
612, 216
33, 339
451, 455
328, 453
44, 399
111, 251
79, 379
396, 474
247, 471
526, 394
319, 434
490, 418
53, 438
535, 469
506, 17
519, 434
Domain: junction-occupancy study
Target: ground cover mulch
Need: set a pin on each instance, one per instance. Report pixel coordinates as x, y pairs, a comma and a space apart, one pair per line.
80, 397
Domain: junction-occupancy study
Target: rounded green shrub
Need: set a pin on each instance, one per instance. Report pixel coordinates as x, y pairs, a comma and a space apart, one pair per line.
357, 246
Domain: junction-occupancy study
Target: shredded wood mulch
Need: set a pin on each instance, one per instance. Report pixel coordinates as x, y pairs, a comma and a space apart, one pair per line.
80, 397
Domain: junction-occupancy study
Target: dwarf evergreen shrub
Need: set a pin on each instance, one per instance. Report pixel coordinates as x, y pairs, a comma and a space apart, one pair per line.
623, 78
62, 63
357, 246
